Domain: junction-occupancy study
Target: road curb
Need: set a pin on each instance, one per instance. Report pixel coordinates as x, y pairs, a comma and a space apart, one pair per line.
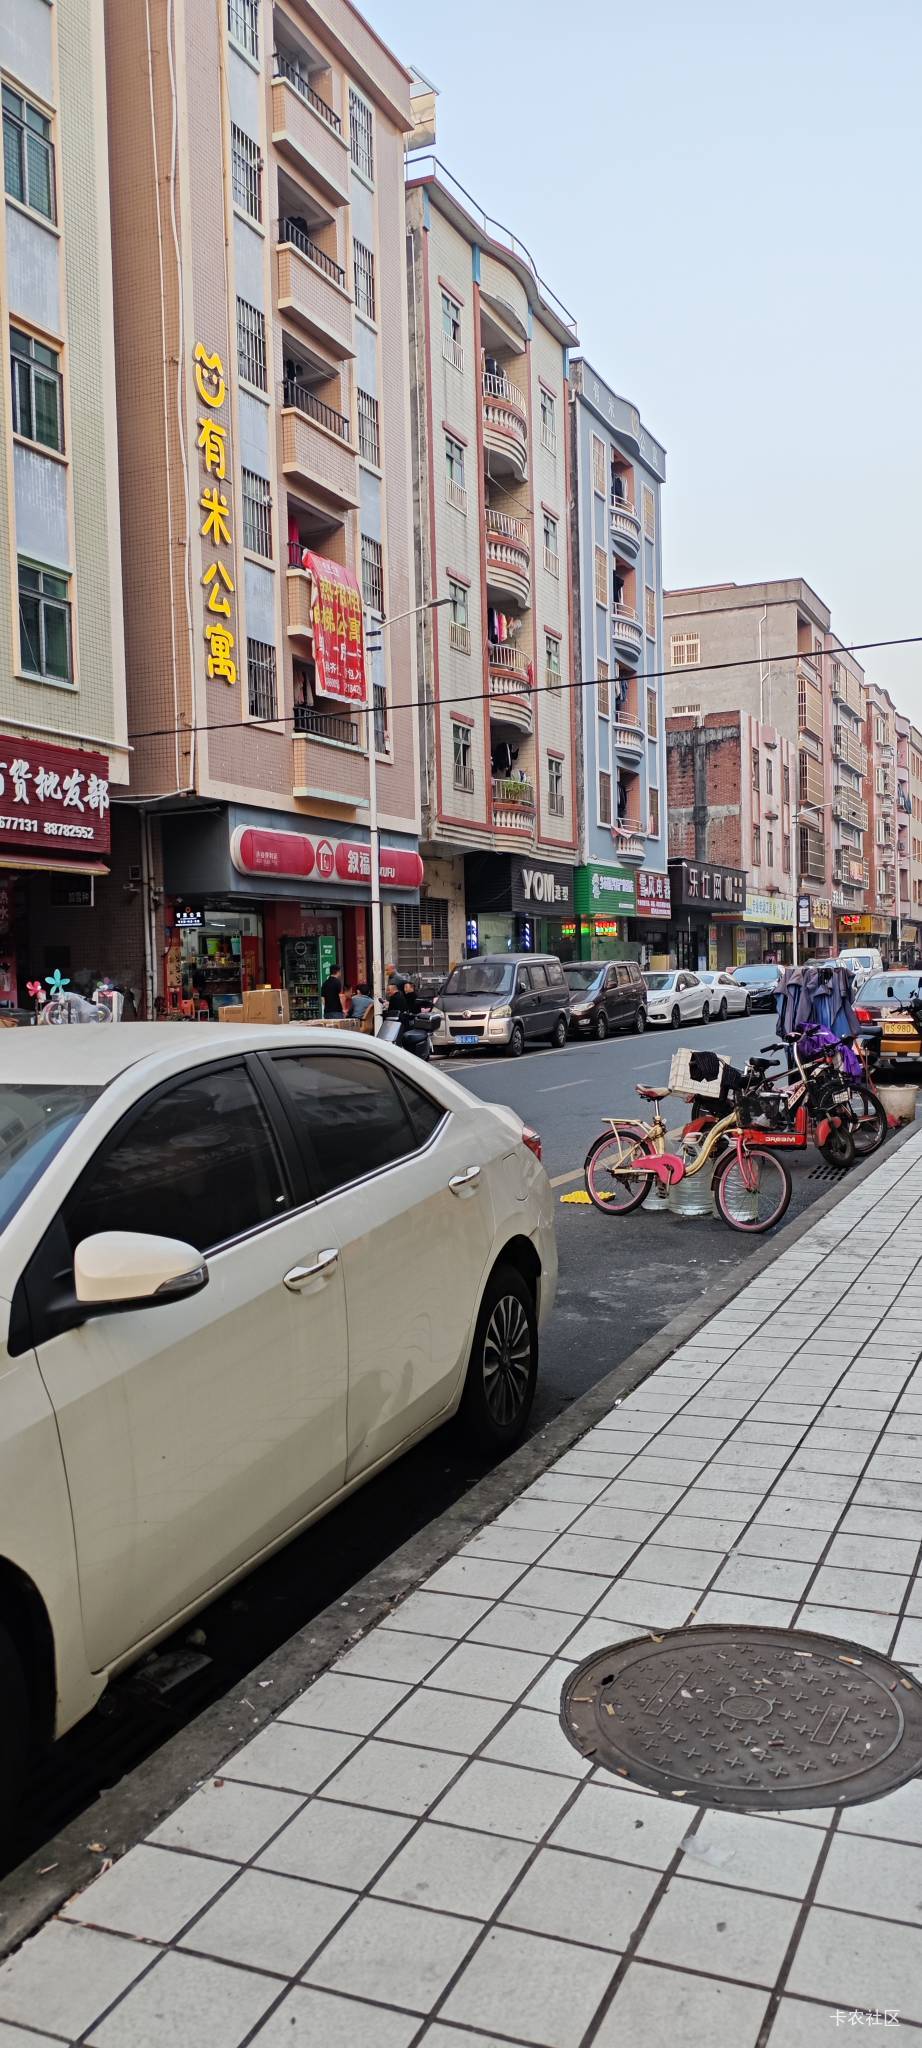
123, 1815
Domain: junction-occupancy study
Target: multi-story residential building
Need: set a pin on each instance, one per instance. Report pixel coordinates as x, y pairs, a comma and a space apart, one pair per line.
909, 835
490, 348
62, 667
618, 471
768, 649
882, 836
263, 394
732, 797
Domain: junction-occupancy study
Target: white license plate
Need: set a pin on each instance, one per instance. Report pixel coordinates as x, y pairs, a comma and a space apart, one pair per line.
467, 1038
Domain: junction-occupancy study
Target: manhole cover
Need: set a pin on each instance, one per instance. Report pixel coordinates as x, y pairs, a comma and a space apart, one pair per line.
748, 1717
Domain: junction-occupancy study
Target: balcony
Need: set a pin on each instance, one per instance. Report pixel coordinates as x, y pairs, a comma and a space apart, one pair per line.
846, 689
627, 633
510, 687
312, 291
317, 447
308, 132
849, 808
298, 589
508, 556
323, 764
630, 738
505, 426
847, 748
627, 843
812, 857
625, 529
850, 870
513, 810
326, 725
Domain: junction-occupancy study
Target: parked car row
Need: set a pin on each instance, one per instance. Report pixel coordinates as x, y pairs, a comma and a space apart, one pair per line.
504, 1000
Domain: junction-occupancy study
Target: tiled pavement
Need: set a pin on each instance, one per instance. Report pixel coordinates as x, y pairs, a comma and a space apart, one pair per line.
413, 1853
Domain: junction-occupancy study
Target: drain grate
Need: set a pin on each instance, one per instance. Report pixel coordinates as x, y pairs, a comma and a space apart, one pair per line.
748, 1717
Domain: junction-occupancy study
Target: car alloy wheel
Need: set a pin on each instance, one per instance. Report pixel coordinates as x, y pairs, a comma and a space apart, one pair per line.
500, 1384
517, 1041
676, 1017
506, 1360
722, 1012
640, 1022
559, 1033
601, 1026
705, 1013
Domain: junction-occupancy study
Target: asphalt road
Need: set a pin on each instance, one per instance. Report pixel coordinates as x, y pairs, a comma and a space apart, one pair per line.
620, 1280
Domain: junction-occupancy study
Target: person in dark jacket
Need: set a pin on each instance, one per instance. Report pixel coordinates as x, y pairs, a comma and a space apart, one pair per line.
331, 993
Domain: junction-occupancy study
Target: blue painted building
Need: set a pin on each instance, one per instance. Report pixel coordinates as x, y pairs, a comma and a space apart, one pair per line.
618, 471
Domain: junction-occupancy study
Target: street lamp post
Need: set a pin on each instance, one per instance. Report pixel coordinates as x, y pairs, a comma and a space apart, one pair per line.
377, 950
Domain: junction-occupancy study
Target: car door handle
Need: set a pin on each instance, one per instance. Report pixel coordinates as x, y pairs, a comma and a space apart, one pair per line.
460, 1181
301, 1276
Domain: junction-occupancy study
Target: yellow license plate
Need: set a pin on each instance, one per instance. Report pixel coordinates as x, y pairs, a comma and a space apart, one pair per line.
899, 1030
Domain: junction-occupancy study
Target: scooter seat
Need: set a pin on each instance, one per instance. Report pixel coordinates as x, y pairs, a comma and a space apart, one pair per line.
654, 1094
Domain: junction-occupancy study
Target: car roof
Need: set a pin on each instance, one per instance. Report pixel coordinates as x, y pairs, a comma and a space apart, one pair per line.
95, 1054
490, 959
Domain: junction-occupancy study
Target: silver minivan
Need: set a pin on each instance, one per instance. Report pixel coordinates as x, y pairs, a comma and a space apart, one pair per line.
504, 1000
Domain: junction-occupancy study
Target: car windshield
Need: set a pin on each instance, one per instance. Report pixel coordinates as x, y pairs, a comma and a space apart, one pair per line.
891, 988
584, 976
34, 1123
764, 973
853, 960
655, 981
481, 978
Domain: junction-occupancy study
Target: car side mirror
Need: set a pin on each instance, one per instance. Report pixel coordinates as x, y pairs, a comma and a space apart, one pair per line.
123, 1269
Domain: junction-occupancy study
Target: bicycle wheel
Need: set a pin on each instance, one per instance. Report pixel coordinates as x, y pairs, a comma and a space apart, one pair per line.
838, 1146
869, 1125
752, 1192
610, 1184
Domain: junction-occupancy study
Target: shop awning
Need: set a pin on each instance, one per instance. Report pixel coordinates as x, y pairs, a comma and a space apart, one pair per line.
53, 867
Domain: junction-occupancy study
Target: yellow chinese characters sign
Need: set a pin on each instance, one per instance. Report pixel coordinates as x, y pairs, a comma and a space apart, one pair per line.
214, 504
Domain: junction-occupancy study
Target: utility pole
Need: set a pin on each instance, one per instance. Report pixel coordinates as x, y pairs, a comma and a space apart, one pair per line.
377, 948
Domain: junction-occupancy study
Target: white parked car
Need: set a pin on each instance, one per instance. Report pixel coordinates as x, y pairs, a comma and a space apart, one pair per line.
241, 1270
676, 996
727, 997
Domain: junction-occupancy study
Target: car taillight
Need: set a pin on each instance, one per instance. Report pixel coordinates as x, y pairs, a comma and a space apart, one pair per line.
864, 1016
532, 1140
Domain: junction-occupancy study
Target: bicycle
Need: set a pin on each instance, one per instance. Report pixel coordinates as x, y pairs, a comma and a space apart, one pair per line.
750, 1185
843, 1113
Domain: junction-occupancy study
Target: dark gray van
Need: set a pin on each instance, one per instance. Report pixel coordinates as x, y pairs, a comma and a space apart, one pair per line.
503, 1000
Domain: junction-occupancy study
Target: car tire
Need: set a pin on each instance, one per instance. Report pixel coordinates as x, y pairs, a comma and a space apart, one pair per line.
748, 1009
705, 1013
640, 1022
600, 1026
516, 1045
14, 1729
559, 1034
722, 1013
500, 1383
676, 1018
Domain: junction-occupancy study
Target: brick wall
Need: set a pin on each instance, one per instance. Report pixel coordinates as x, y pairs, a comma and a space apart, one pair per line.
704, 789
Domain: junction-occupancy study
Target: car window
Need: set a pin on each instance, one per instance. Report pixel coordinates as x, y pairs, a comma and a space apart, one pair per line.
424, 1114
348, 1114
34, 1123
623, 977
538, 976
555, 973
199, 1162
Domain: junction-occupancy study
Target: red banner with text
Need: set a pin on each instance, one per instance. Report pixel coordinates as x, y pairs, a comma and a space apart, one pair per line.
336, 618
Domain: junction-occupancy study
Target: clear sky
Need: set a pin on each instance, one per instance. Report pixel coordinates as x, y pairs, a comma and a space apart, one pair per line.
728, 196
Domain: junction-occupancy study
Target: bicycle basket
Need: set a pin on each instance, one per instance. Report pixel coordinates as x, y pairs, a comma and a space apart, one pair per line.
680, 1080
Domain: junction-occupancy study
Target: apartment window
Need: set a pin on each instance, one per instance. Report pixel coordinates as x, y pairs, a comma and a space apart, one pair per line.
600, 571
817, 649
785, 853
549, 420
685, 650
769, 776
552, 661
461, 754
28, 154
455, 490
755, 768
257, 513
251, 345
604, 797
372, 575
603, 703
369, 430
261, 690
649, 513
246, 173
555, 786
364, 266
44, 624
379, 707
756, 845
243, 24
654, 814
451, 317
38, 413
652, 715
459, 631
770, 847
361, 135
649, 612
551, 545
598, 464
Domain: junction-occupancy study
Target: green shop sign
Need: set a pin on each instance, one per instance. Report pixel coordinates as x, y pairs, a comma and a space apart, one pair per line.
605, 892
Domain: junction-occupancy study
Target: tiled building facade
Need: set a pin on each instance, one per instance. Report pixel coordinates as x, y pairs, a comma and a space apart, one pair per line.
731, 784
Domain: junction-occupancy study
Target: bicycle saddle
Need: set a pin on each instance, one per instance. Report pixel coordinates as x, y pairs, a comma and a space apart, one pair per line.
653, 1094
763, 1066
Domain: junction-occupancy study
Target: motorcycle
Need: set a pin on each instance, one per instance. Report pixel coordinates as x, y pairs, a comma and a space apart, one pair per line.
410, 1031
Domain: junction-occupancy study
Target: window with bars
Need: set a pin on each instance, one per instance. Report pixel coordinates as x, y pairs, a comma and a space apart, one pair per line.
261, 683
756, 845
549, 420
462, 756
649, 513
599, 477
28, 154
555, 785
454, 461
600, 575
369, 430
364, 267
246, 173
652, 715
451, 318
604, 797
685, 650
361, 134
654, 814
243, 24
602, 691
755, 768
770, 847
551, 545
38, 413
649, 612
552, 661
787, 784
44, 624
372, 574
251, 345
769, 776
379, 705
257, 513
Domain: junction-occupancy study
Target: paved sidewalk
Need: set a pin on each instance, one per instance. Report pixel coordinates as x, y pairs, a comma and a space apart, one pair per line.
413, 1853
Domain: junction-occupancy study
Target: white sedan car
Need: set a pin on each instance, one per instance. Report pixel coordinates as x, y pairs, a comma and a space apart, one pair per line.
676, 996
728, 998
241, 1269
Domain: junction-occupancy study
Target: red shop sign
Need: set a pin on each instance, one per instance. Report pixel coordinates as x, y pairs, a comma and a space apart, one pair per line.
293, 855
653, 894
337, 623
53, 797
255, 852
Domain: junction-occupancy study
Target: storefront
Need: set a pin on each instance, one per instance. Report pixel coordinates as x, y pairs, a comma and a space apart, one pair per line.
515, 904
768, 922
55, 842
708, 903
605, 904
272, 902
654, 911
863, 927
814, 925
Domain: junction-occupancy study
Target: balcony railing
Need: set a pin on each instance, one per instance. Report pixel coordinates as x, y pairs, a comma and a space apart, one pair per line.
500, 388
507, 791
300, 395
625, 526
849, 749
849, 807
285, 68
326, 725
501, 522
508, 660
629, 736
289, 231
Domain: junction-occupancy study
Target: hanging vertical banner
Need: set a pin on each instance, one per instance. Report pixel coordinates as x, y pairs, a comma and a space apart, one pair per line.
336, 617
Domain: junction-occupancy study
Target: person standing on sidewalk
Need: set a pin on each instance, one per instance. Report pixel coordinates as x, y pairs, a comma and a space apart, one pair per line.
331, 993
